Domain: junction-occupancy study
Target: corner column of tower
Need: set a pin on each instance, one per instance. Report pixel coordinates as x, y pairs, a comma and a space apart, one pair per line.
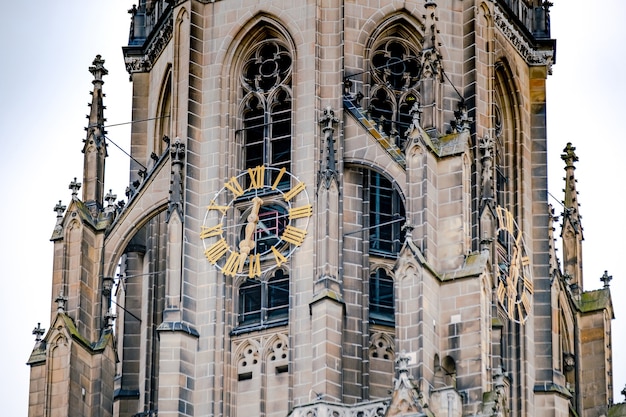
94, 149
327, 308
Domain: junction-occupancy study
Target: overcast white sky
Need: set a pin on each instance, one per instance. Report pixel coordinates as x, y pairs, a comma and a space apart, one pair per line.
46, 49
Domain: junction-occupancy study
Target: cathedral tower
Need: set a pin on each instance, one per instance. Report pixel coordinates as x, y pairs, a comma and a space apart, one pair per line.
334, 208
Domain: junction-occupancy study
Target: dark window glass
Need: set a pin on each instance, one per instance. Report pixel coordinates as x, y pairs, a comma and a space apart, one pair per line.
395, 76
381, 298
278, 296
250, 302
266, 91
386, 215
264, 303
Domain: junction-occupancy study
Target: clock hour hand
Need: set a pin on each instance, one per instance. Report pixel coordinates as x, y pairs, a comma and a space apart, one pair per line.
247, 243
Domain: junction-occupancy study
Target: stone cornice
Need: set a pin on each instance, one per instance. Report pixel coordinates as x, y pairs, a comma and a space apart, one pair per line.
531, 55
141, 59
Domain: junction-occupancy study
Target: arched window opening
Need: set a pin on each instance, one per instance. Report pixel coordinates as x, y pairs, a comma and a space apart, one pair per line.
266, 106
506, 128
164, 117
395, 71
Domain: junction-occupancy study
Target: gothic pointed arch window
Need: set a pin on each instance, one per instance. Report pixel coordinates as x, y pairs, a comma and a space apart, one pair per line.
394, 81
164, 111
506, 131
266, 103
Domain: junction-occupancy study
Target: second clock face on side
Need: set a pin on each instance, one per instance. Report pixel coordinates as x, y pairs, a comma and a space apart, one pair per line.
515, 283
253, 224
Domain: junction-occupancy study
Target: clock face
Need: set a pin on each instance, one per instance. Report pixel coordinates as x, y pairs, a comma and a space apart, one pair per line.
253, 223
515, 283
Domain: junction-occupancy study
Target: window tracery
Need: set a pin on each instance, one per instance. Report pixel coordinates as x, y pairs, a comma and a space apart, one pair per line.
395, 73
266, 107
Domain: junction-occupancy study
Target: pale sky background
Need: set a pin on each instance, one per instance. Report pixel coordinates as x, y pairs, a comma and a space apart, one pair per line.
47, 47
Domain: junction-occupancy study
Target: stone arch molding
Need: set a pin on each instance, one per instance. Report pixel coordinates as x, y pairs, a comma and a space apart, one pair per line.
382, 346
151, 199
255, 352
384, 19
241, 38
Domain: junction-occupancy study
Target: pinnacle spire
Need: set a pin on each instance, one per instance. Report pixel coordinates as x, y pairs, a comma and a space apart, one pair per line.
95, 144
571, 231
570, 158
431, 71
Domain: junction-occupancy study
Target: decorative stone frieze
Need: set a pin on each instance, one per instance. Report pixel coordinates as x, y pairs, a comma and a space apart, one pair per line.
531, 55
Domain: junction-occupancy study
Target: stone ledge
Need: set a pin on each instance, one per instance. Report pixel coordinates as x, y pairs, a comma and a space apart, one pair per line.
178, 326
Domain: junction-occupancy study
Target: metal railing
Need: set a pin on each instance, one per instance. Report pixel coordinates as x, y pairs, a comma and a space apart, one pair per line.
326, 409
144, 18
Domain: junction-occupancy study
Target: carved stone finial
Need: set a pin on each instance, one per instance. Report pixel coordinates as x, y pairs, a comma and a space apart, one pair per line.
59, 209
328, 119
569, 155
107, 286
109, 319
416, 114
498, 378
328, 170
569, 362
407, 398
402, 362
61, 300
606, 278
177, 152
408, 228
110, 199
75, 186
486, 146
98, 70
38, 332
462, 120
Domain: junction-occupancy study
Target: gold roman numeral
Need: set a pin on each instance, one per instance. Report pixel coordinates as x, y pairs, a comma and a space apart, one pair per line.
294, 191
501, 293
529, 285
234, 186
213, 206
207, 232
526, 301
216, 251
278, 178
293, 235
254, 262
231, 265
278, 257
299, 212
257, 177
511, 308
505, 219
